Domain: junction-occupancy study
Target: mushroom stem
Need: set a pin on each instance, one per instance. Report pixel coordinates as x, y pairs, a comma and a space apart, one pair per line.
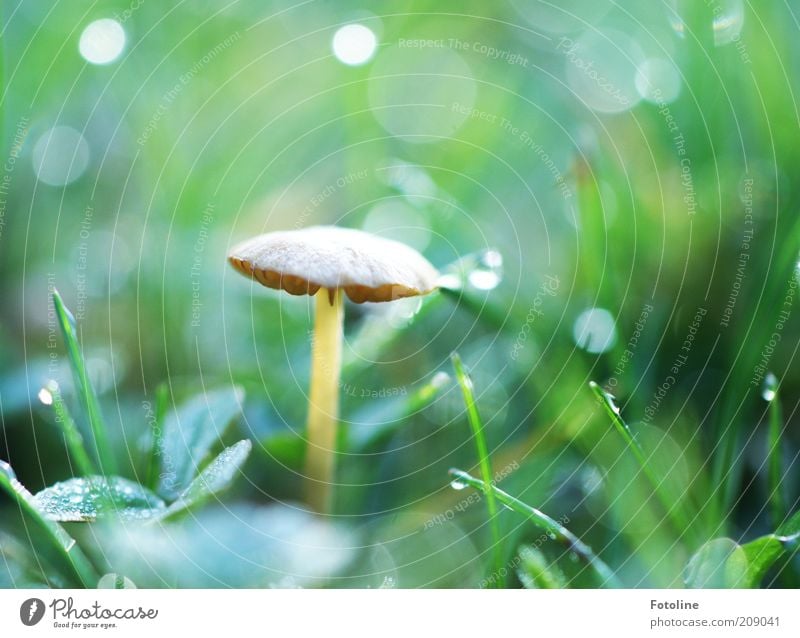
323, 401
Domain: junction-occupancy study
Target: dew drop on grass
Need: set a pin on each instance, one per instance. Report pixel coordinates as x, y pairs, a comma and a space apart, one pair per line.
573, 556
484, 279
488, 273
45, 396
457, 485
769, 388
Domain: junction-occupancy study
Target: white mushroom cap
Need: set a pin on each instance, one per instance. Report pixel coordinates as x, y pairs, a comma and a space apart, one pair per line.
365, 266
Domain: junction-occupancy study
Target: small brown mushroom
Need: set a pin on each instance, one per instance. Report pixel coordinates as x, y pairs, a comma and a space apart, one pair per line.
325, 261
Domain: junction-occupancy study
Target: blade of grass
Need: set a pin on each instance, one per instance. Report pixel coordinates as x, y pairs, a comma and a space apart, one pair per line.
482, 449
157, 436
679, 519
551, 527
102, 447
776, 501
71, 433
59, 544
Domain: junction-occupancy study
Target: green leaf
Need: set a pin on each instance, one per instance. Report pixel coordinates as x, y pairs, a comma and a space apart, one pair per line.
761, 555
555, 530
217, 476
69, 331
189, 434
50, 538
720, 563
476, 423
90, 498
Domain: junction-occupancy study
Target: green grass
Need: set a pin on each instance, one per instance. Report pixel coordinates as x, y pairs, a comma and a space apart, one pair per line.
482, 450
556, 531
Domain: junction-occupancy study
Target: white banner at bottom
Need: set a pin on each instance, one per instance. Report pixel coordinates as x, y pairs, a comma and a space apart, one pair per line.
389, 613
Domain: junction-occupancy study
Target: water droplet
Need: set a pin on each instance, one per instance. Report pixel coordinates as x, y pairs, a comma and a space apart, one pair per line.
484, 279
489, 272
102, 41
595, 330
456, 484
552, 536
492, 259
769, 388
45, 396
354, 44
573, 556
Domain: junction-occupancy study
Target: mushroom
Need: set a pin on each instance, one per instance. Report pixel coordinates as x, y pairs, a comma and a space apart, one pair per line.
326, 261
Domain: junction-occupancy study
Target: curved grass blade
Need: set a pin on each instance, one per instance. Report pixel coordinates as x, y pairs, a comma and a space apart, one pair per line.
551, 527
56, 542
677, 514
72, 435
475, 422
103, 451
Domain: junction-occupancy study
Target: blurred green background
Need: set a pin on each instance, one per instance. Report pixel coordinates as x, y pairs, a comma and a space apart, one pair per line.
609, 187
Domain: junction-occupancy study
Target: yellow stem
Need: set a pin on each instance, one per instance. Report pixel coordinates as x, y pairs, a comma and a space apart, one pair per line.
323, 400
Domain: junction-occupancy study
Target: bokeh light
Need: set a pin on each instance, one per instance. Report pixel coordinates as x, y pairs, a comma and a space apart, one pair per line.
102, 41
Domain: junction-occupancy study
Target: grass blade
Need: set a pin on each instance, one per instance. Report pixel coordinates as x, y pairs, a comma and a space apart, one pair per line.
776, 501
156, 419
679, 518
72, 435
551, 527
56, 542
103, 452
482, 449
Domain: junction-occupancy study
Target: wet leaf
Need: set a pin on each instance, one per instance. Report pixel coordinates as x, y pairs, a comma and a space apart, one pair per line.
190, 432
90, 498
217, 476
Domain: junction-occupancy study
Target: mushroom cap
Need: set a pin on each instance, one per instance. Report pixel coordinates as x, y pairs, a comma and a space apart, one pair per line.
365, 266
